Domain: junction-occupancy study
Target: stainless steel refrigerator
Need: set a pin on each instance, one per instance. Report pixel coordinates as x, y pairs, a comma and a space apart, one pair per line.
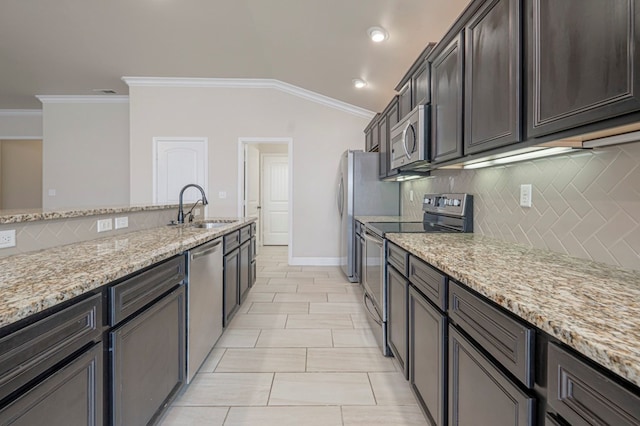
360, 193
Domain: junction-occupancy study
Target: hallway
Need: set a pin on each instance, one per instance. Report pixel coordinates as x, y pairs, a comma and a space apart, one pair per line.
299, 352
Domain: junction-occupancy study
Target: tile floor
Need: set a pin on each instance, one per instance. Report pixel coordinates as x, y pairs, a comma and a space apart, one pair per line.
299, 352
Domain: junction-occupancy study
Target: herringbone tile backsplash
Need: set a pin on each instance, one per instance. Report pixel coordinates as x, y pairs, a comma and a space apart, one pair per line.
585, 204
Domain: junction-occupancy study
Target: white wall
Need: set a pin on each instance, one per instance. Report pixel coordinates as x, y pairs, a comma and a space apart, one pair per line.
20, 124
85, 154
320, 134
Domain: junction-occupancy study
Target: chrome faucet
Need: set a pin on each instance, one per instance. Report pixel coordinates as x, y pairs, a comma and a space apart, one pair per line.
180, 210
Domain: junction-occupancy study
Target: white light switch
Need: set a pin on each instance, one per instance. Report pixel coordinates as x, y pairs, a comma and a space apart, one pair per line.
104, 225
52, 193
525, 195
122, 222
222, 194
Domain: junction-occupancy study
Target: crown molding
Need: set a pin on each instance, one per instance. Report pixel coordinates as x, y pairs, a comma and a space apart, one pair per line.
104, 99
20, 112
249, 83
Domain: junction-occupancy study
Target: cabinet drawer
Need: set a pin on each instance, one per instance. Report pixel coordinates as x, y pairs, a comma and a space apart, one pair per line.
584, 396
245, 234
431, 282
135, 293
479, 393
252, 229
29, 352
507, 340
231, 241
398, 258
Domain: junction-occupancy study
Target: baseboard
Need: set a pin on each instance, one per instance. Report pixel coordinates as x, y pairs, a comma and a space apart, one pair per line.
314, 261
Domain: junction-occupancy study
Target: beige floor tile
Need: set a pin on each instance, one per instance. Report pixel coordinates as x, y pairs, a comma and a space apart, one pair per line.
282, 268
333, 280
238, 338
257, 296
258, 321
357, 338
383, 415
227, 389
245, 307
345, 298
354, 288
336, 308
212, 360
360, 321
347, 359
305, 280
261, 280
307, 274
327, 269
391, 389
322, 288
319, 321
300, 297
321, 389
284, 416
279, 308
256, 360
292, 338
274, 288
190, 416
277, 274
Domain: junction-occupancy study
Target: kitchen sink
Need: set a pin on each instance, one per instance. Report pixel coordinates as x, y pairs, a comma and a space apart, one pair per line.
211, 224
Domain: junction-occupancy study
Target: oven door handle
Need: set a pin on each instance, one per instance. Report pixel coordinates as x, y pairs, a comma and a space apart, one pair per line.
373, 316
374, 239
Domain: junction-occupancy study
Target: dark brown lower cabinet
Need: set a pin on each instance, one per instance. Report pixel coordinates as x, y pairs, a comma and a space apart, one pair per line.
148, 360
480, 394
245, 270
230, 288
428, 357
398, 332
70, 396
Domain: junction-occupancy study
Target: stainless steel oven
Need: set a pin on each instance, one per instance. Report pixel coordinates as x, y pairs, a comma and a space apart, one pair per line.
374, 273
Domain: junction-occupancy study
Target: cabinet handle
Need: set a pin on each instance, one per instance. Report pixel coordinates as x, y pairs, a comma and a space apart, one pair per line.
365, 296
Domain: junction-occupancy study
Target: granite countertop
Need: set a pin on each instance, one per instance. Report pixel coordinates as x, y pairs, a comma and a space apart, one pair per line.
592, 307
30, 215
33, 282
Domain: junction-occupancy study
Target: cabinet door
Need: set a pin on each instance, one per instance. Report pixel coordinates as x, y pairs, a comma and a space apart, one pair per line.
245, 270
148, 360
583, 62
479, 394
230, 289
359, 250
447, 98
420, 85
70, 396
397, 326
428, 357
493, 77
404, 100
383, 149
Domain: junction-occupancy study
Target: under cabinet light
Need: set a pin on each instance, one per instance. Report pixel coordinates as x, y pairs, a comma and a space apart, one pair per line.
541, 153
612, 140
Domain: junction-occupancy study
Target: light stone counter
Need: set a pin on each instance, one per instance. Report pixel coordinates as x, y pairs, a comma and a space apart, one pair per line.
592, 307
33, 282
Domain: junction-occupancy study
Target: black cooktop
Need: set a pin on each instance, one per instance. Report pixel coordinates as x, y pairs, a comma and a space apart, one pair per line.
381, 228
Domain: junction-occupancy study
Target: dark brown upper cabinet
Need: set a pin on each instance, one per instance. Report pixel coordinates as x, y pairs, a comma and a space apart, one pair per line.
420, 85
493, 109
583, 58
404, 99
447, 96
388, 119
371, 140
415, 89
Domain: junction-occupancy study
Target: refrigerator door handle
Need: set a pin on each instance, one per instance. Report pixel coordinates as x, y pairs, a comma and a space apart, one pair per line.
340, 196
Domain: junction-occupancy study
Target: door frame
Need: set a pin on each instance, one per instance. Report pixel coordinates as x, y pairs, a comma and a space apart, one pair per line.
242, 141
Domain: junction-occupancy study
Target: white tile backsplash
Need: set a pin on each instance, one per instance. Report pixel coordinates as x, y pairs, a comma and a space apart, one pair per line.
585, 204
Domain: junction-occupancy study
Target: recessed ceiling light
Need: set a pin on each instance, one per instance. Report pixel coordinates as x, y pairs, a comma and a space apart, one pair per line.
377, 34
359, 83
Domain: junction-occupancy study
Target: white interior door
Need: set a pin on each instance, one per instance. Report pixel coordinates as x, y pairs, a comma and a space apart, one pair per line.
275, 199
178, 162
252, 188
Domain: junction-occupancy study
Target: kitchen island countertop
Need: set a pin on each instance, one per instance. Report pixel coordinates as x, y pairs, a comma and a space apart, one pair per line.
33, 282
592, 307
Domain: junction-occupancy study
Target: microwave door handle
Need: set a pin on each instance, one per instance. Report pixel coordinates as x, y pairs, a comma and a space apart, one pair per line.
404, 140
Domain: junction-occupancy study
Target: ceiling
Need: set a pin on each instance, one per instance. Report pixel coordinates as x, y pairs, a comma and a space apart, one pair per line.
71, 47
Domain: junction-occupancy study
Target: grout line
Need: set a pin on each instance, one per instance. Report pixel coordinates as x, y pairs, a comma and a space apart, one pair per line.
371, 386
273, 378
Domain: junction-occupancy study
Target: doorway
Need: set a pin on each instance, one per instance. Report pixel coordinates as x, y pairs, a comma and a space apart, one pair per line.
264, 187
20, 174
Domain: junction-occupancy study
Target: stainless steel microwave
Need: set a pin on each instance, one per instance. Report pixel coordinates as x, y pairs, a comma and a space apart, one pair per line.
410, 140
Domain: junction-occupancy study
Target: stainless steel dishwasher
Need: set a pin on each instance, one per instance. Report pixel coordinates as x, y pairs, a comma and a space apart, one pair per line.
204, 303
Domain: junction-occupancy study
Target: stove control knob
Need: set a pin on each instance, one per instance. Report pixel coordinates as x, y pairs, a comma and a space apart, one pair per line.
447, 202
457, 203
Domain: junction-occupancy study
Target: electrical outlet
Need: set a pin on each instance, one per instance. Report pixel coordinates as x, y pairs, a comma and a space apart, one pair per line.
105, 225
8, 238
525, 195
122, 222
222, 194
